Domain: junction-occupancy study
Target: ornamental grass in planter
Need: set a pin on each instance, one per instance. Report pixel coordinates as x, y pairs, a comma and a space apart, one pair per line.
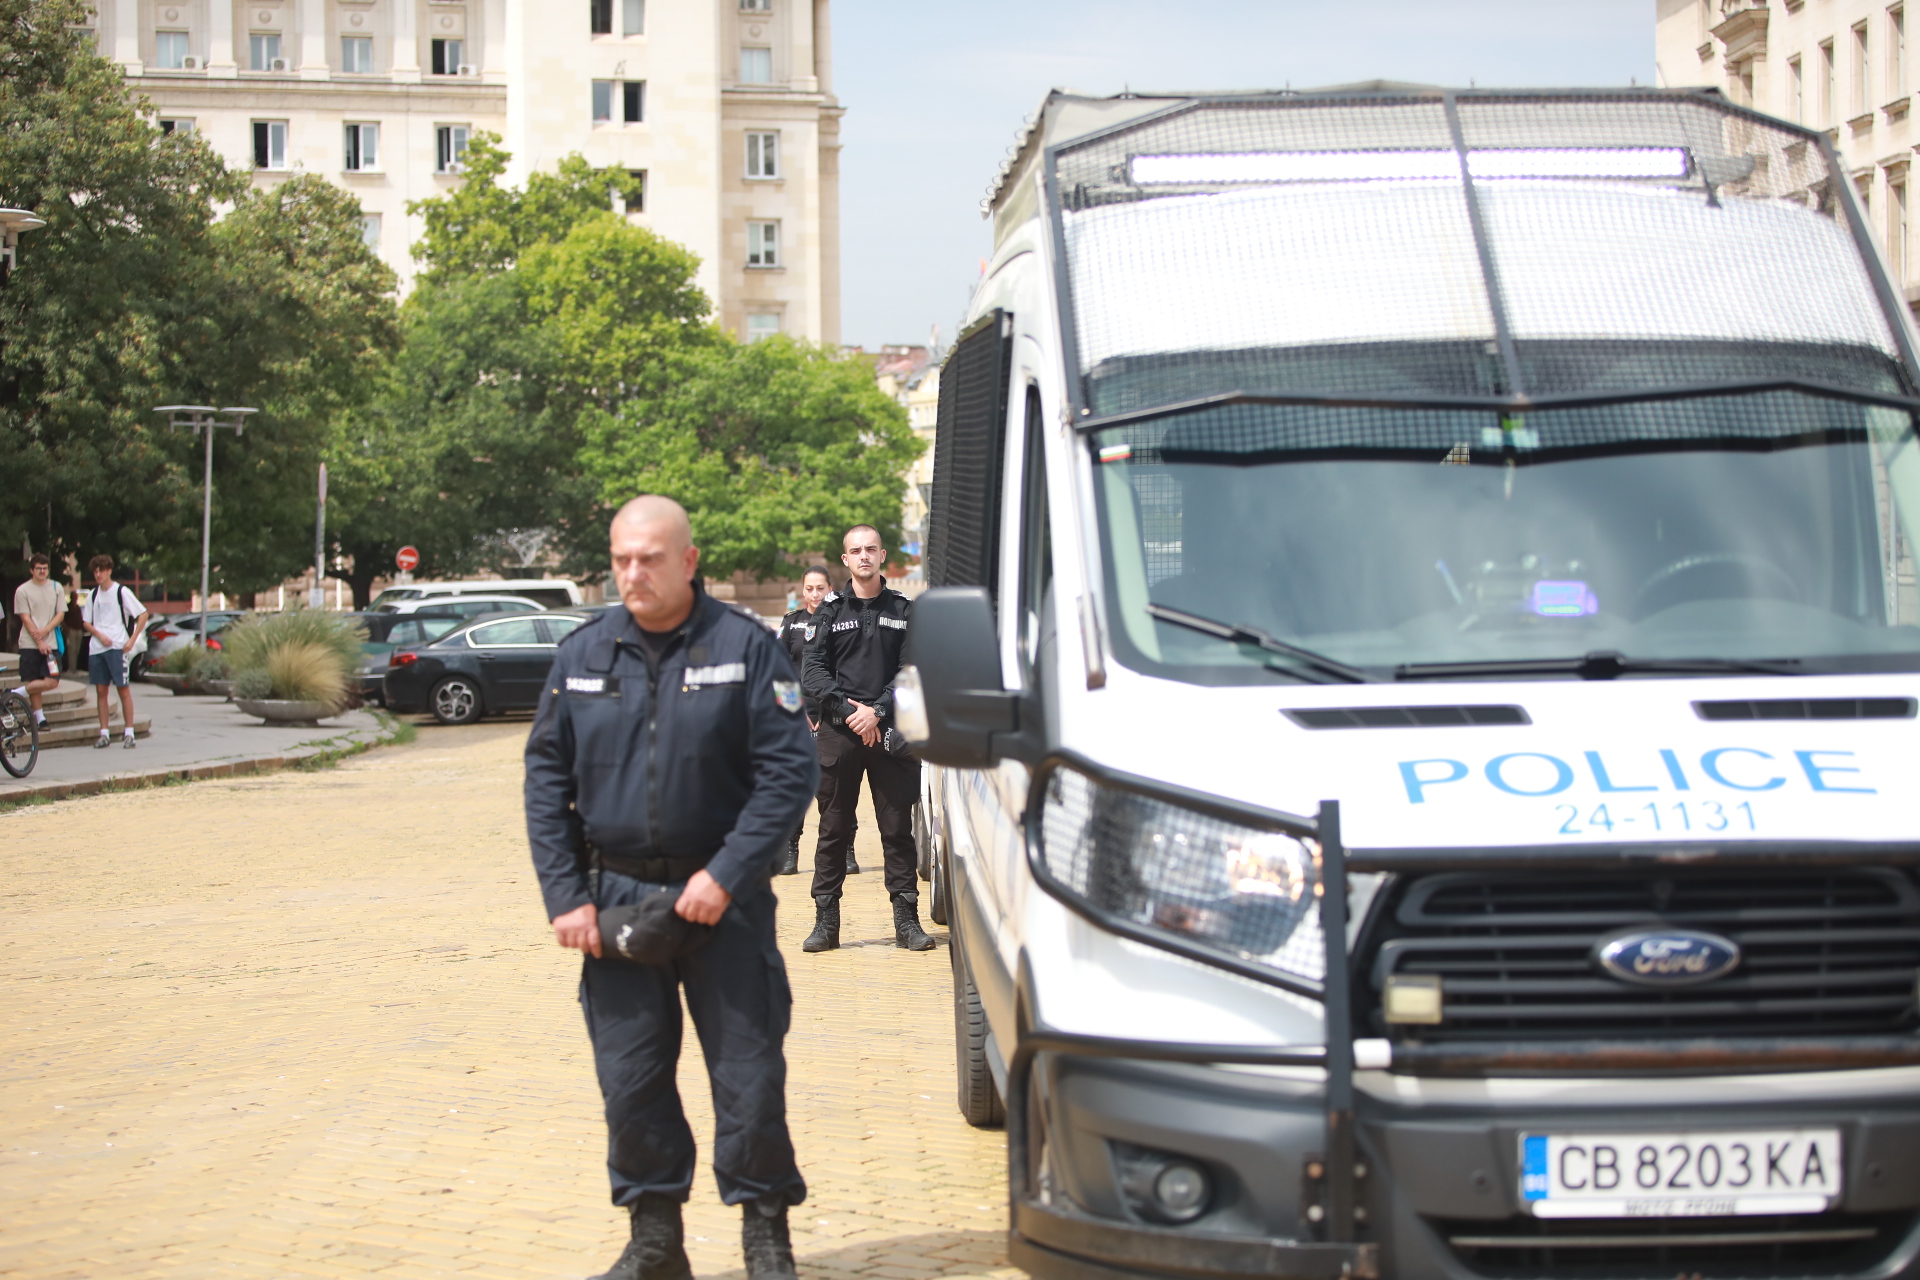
302, 656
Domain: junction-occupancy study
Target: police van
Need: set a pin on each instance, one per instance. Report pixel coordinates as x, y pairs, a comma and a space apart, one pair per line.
1419, 685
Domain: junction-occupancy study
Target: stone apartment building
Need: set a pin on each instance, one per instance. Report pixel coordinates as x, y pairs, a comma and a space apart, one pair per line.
1842, 66
725, 106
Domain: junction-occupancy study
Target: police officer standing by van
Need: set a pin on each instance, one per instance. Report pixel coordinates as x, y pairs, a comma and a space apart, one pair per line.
667, 764
851, 664
795, 630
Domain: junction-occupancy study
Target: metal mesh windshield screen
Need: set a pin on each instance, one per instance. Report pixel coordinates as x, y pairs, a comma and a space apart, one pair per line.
963, 522
1469, 245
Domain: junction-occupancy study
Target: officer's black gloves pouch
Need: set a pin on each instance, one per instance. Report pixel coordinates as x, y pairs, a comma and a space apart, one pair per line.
649, 931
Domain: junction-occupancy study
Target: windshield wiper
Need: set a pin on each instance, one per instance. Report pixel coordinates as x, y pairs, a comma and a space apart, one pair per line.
1601, 664
1239, 634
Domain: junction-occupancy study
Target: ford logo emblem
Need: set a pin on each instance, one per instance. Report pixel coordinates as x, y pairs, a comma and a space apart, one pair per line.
1667, 957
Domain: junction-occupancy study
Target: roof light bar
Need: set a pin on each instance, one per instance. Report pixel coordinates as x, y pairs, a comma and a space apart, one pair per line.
1374, 166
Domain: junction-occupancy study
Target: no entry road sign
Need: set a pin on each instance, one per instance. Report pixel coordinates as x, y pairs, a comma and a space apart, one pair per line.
407, 558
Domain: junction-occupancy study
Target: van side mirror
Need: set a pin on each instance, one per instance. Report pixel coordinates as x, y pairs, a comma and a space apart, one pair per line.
949, 700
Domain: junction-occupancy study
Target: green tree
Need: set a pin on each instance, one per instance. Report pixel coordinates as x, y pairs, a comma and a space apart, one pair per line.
136, 294
774, 448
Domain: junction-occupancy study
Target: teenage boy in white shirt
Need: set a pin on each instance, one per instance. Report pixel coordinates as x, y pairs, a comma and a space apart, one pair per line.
40, 604
114, 617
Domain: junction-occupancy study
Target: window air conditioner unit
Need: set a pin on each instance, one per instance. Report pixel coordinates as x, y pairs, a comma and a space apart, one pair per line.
192, 64
467, 69
277, 64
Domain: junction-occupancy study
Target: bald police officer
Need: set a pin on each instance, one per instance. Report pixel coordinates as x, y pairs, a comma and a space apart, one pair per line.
670, 755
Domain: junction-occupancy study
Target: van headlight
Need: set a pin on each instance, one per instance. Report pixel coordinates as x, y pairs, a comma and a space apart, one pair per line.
1246, 891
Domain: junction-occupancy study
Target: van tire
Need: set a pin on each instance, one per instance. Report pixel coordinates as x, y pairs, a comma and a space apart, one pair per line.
940, 892
979, 1099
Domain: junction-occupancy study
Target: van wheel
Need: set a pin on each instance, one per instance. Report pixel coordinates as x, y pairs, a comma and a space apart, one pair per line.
939, 893
456, 700
922, 846
980, 1103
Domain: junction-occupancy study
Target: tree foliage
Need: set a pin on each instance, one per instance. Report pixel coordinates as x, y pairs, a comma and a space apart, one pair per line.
775, 448
136, 293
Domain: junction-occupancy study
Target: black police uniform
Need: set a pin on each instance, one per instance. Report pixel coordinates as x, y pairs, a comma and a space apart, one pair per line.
648, 767
855, 654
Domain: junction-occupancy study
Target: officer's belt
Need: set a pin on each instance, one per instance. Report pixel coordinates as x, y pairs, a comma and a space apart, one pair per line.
652, 870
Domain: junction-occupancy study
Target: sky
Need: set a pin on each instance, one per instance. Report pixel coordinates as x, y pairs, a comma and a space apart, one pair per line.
936, 93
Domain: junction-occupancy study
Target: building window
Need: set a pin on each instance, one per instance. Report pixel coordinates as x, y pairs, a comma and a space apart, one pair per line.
600, 17
636, 202
602, 101
446, 58
356, 55
170, 50
263, 53
1897, 52
763, 154
633, 101
1829, 100
1742, 82
756, 6
756, 66
762, 324
370, 231
176, 125
450, 143
633, 17
1862, 90
1796, 91
269, 144
1897, 226
363, 148
763, 244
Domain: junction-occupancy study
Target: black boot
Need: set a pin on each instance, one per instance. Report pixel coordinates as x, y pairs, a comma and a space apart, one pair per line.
906, 923
658, 1249
826, 925
764, 1240
790, 860
853, 868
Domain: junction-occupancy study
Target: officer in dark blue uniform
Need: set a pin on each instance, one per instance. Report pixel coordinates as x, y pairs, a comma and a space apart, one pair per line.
670, 755
851, 665
795, 630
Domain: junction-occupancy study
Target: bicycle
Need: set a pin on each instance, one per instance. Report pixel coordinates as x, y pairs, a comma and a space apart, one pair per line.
19, 735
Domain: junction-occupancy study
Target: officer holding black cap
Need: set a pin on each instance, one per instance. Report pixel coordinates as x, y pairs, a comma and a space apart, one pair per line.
851, 664
795, 630
670, 755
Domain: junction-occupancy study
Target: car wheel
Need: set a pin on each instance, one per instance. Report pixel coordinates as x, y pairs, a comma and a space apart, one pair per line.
979, 1098
456, 700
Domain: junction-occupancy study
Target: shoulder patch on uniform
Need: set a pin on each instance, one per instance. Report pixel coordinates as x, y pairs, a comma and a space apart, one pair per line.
786, 695
810, 629
831, 596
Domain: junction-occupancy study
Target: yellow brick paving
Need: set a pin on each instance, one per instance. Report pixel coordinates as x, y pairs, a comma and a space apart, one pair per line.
313, 1024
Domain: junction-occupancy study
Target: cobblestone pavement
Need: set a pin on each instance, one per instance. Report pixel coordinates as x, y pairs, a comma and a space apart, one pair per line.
313, 1024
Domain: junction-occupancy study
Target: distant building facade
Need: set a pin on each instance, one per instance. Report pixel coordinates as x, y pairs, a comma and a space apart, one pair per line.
911, 376
725, 107
1841, 66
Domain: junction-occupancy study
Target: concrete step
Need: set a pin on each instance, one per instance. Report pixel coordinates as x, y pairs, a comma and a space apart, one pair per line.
83, 735
77, 713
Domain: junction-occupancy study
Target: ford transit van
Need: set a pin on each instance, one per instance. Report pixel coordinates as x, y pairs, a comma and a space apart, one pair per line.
1419, 686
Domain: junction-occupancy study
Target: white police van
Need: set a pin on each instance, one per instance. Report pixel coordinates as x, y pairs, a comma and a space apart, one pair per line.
1419, 685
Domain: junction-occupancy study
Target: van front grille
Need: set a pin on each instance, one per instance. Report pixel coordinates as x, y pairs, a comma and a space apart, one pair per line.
1824, 952
1762, 1248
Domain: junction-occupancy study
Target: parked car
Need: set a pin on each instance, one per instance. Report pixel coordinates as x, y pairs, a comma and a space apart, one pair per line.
463, 606
490, 665
175, 631
555, 593
385, 633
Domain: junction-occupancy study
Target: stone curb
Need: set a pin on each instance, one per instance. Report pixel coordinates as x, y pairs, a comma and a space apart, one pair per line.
17, 792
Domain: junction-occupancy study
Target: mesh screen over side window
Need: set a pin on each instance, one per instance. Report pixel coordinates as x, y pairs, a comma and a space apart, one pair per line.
963, 527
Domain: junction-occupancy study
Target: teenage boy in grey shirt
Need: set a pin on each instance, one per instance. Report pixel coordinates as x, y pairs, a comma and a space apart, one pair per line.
40, 603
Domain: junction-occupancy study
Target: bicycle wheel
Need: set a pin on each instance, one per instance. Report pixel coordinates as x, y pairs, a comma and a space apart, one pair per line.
19, 735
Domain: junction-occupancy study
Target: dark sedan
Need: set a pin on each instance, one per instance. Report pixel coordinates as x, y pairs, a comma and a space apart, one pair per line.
387, 632
479, 668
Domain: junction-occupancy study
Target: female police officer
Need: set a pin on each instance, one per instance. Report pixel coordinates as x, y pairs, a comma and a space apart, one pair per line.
669, 755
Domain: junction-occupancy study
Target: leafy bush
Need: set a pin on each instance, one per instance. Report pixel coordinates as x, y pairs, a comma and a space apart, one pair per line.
180, 661
207, 666
253, 685
306, 671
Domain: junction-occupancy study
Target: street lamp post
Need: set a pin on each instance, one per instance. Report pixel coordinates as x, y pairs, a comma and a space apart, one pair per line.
203, 420
12, 223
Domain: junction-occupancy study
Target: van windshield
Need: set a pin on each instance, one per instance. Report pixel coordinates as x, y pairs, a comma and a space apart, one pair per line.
1765, 527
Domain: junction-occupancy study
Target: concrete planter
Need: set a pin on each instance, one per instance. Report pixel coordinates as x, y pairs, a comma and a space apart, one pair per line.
170, 680
281, 711
219, 688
